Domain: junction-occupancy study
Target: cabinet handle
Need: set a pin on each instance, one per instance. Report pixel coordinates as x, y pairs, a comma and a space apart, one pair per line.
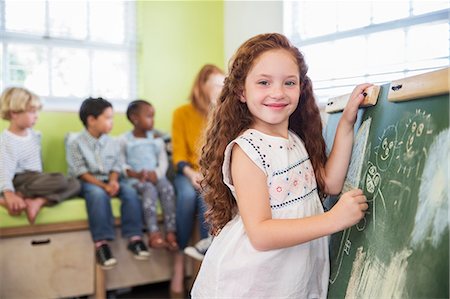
40, 242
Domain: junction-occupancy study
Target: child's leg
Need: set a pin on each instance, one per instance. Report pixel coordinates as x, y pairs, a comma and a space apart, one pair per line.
37, 184
149, 196
131, 211
34, 205
72, 189
98, 204
167, 199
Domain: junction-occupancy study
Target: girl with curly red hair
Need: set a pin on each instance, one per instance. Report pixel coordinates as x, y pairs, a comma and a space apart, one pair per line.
265, 171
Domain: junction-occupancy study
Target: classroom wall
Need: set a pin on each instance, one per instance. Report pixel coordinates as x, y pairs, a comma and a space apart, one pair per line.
244, 19
175, 39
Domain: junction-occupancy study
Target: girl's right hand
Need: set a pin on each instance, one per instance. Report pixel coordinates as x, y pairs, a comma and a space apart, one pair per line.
349, 209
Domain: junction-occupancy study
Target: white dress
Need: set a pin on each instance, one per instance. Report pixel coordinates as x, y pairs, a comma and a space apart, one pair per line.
232, 268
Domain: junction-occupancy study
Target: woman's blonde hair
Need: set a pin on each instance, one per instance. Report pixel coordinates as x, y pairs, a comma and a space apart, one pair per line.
17, 99
231, 117
199, 97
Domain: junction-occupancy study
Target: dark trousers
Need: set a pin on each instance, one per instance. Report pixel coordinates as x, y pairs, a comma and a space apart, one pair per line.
55, 187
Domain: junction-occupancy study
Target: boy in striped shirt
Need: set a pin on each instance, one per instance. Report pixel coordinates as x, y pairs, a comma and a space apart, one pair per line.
23, 185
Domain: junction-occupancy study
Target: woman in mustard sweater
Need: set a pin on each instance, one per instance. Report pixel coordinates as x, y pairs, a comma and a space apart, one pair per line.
189, 122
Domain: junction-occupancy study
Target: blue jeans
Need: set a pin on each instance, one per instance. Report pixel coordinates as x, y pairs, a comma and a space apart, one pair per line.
101, 219
189, 204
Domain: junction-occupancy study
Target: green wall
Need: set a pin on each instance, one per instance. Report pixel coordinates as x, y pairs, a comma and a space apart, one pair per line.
175, 39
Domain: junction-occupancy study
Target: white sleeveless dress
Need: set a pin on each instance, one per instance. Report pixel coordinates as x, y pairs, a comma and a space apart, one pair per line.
232, 268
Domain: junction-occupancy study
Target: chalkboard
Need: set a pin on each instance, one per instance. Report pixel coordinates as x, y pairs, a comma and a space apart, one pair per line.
400, 160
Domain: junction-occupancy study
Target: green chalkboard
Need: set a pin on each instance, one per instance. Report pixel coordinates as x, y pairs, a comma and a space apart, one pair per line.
400, 160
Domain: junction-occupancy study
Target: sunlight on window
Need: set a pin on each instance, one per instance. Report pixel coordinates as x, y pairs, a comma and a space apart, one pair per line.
386, 50
319, 60
28, 66
421, 36
107, 27
68, 50
421, 6
350, 42
347, 18
312, 21
384, 11
350, 56
68, 18
110, 76
25, 16
70, 72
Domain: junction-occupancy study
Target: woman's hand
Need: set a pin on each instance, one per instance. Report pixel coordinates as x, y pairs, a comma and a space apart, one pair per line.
194, 176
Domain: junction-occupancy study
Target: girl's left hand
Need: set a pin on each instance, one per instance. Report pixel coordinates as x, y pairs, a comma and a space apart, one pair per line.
356, 98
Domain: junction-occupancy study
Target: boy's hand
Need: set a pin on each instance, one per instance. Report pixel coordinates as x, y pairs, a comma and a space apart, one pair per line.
14, 203
356, 98
349, 209
112, 188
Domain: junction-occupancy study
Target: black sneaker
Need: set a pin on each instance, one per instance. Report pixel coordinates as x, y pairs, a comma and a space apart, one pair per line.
104, 257
139, 249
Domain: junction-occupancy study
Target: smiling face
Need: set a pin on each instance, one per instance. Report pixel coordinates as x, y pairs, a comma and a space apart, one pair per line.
272, 91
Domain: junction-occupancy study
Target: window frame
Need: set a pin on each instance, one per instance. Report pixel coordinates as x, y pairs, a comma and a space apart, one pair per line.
404, 24
71, 103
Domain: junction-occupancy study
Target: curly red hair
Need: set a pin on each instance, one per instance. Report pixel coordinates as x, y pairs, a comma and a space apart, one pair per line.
231, 117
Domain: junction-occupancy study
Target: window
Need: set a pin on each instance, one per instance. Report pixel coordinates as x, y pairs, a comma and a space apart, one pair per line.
65, 51
350, 42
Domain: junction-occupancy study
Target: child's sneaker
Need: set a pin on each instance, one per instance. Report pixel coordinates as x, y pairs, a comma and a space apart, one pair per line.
198, 251
104, 257
139, 250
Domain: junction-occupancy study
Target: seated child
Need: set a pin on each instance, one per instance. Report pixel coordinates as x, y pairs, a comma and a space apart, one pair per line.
146, 166
94, 158
23, 185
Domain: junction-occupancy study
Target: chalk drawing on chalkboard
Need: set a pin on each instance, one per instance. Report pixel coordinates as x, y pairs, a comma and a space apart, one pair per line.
418, 129
372, 278
351, 182
359, 148
344, 248
372, 184
431, 218
385, 151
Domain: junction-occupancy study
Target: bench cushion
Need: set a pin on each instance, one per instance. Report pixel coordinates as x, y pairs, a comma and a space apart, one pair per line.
69, 210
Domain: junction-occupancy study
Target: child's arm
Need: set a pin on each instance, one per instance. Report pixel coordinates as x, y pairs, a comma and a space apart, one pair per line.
112, 187
266, 233
339, 158
14, 203
163, 160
